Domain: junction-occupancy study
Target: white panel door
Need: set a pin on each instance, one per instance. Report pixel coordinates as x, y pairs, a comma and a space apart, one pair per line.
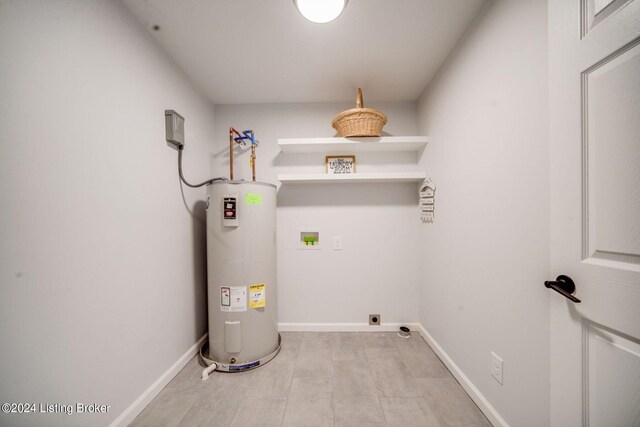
595, 211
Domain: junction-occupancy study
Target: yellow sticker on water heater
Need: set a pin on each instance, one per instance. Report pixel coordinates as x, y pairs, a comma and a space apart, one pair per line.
257, 295
252, 199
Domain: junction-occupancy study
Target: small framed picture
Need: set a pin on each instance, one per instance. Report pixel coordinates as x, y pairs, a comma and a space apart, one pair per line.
341, 165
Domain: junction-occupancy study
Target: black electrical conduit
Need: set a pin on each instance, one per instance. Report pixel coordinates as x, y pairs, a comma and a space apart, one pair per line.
220, 178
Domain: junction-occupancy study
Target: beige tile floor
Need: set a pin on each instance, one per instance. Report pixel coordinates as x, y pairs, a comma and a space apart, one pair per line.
322, 379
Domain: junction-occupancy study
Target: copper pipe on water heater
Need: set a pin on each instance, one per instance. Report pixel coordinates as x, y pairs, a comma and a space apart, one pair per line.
248, 134
233, 130
253, 162
231, 154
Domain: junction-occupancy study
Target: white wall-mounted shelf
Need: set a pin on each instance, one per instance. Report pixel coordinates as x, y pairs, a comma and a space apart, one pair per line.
352, 145
356, 178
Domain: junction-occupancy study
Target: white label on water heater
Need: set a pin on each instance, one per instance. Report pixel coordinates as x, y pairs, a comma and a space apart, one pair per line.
233, 298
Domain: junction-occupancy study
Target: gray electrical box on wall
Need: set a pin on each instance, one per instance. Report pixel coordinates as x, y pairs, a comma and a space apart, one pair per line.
174, 126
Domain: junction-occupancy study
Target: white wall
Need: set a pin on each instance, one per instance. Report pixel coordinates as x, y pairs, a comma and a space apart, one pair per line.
377, 271
487, 254
102, 264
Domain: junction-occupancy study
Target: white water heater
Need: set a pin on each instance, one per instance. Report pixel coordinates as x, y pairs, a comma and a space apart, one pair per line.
241, 270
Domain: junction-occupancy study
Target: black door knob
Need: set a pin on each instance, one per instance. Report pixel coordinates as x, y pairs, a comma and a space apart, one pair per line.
564, 286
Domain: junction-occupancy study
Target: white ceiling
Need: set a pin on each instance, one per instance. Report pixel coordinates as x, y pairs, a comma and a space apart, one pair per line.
256, 51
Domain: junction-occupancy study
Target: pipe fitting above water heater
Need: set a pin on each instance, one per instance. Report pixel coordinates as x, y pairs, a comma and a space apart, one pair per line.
241, 139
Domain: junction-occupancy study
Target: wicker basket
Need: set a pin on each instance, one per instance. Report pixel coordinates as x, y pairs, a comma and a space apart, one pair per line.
359, 121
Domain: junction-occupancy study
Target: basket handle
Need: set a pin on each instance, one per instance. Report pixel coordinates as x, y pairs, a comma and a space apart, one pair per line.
359, 101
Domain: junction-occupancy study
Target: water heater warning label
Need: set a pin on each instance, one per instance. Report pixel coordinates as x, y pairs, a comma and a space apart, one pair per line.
257, 295
229, 207
233, 298
230, 216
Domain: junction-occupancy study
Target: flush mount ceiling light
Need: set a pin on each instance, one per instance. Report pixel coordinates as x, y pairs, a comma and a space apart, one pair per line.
320, 11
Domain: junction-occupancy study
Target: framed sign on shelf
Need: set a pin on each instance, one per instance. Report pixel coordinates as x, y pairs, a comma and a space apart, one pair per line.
340, 165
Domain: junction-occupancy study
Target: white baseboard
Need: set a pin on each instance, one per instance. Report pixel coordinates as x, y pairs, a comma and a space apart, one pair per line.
487, 409
344, 327
149, 394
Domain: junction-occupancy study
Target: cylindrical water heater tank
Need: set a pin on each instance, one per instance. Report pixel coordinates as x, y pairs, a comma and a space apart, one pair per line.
241, 270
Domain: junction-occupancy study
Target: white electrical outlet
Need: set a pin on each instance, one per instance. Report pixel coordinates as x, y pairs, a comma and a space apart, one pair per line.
495, 367
337, 243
